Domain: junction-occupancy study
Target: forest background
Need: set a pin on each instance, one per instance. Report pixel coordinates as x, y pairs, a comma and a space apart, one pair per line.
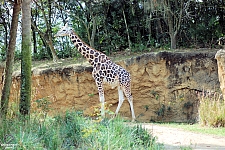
117, 25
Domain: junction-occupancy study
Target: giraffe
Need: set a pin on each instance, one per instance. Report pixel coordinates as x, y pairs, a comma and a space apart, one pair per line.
104, 71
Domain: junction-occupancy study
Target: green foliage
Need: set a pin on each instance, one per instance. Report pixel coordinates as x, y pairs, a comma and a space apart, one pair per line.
143, 137
90, 94
185, 148
43, 105
66, 134
162, 107
2, 53
139, 47
14, 133
155, 94
17, 55
72, 131
115, 135
161, 110
201, 26
96, 111
205, 28
212, 110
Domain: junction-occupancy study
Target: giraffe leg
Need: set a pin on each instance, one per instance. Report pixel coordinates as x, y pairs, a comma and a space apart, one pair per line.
129, 96
121, 99
101, 98
102, 101
130, 100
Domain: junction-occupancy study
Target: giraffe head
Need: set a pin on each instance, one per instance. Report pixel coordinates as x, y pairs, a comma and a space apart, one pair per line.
64, 31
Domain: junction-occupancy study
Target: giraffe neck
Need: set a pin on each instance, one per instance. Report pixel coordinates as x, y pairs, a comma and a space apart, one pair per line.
92, 55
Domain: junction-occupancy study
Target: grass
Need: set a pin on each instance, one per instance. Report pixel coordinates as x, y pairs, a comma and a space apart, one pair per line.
68, 61
212, 109
197, 128
73, 131
46, 64
79, 59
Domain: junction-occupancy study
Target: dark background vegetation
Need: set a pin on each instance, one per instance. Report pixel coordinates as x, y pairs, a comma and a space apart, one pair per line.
118, 25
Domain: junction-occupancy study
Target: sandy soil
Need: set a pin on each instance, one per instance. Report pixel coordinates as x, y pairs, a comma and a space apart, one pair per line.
174, 138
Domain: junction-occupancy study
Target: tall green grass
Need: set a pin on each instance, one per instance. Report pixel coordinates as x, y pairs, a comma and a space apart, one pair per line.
72, 131
212, 110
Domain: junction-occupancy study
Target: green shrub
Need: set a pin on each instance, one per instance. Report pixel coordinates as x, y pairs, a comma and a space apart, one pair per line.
115, 134
73, 131
142, 137
212, 110
15, 134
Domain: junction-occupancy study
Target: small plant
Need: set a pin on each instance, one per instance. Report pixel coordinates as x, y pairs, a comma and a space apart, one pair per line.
185, 148
43, 105
90, 94
181, 97
146, 107
188, 105
188, 110
211, 109
155, 94
13, 111
161, 110
140, 47
96, 113
143, 137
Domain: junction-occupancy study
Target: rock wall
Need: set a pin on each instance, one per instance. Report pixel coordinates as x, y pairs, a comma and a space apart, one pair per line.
220, 56
165, 86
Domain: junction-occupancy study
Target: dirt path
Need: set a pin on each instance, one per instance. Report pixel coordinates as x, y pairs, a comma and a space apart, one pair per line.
174, 138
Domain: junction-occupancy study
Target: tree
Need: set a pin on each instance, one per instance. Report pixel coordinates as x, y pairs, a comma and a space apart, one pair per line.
10, 60
4, 28
25, 90
173, 12
207, 26
47, 34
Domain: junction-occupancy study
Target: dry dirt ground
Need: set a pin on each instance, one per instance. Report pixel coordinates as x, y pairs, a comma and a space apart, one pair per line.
174, 138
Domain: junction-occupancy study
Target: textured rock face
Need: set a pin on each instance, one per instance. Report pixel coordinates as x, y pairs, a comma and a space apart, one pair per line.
220, 56
164, 86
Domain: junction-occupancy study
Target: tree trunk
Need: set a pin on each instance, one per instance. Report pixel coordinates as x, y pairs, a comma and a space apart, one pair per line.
34, 36
173, 40
50, 44
10, 61
159, 31
93, 33
49, 29
172, 31
34, 42
25, 90
128, 35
